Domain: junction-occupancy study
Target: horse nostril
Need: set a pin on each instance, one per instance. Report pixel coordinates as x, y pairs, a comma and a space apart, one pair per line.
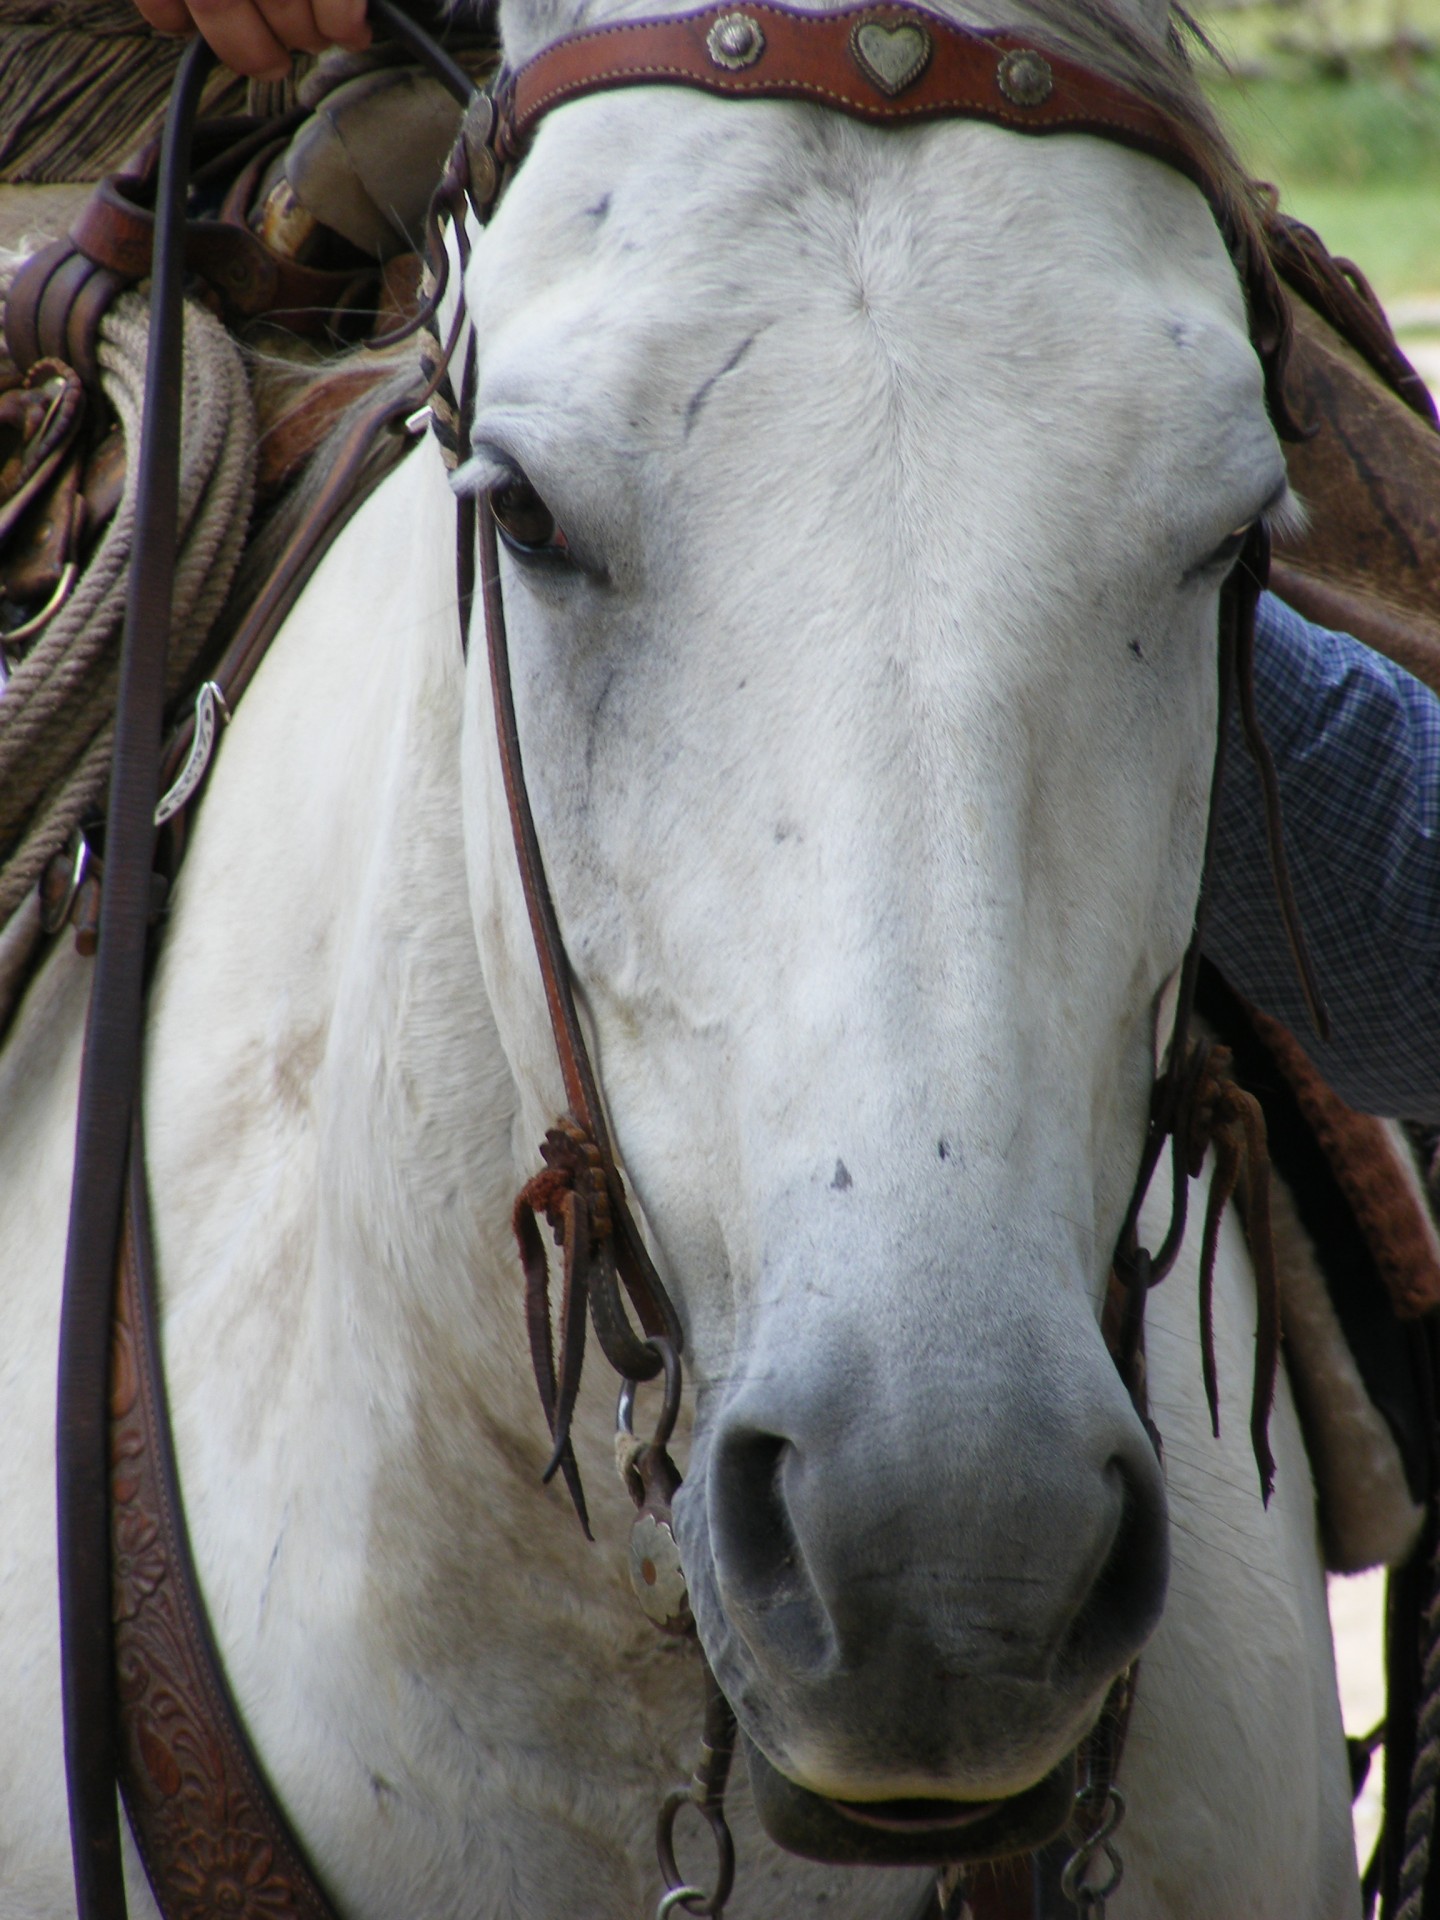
758, 1540
759, 1564
1126, 1597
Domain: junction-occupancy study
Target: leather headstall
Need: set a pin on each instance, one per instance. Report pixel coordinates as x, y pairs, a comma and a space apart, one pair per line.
889, 65
893, 64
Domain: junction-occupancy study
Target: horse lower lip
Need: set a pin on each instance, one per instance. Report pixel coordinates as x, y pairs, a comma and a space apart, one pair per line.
906, 1832
916, 1816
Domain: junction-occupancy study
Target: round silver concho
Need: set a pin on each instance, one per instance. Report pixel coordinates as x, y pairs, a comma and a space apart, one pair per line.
656, 1573
735, 41
1024, 76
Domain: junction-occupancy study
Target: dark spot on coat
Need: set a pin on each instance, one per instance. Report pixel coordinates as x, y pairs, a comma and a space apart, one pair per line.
944, 1149
600, 208
1137, 649
842, 1178
702, 393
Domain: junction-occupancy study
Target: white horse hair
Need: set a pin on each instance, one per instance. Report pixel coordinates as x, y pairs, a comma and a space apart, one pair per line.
868, 724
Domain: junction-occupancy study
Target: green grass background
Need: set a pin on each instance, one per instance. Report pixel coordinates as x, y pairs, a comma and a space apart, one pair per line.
1338, 102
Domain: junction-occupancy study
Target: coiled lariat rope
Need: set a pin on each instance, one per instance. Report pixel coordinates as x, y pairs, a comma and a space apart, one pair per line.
57, 713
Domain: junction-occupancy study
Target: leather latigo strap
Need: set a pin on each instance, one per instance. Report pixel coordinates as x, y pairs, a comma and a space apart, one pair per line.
251, 280
1342, 296
59, 298
210, 1831
1368, 557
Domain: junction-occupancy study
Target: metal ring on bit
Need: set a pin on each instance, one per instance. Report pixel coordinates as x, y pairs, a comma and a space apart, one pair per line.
713, 1903
670, 1410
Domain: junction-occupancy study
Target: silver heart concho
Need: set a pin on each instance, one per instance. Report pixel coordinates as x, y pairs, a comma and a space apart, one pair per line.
892, 57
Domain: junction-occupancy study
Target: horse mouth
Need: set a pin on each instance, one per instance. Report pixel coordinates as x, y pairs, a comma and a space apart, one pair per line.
907, 1833
916, 1816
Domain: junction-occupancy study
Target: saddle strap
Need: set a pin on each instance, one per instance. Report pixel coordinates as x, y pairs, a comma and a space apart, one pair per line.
209, 1828
58, 299
371, 450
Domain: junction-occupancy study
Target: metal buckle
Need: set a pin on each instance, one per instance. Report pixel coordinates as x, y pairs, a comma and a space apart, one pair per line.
202, 745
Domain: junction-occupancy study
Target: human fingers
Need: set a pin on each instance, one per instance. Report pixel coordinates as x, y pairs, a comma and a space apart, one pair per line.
342, 22
166, 16
236, 29
310, 26
256, 37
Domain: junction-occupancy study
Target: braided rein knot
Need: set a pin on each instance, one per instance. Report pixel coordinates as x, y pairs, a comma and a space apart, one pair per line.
572, 1196
1202, 1096
1216, 1112
573, 1165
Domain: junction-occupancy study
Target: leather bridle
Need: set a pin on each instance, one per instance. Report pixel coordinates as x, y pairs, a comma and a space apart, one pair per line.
890, 64
768, 51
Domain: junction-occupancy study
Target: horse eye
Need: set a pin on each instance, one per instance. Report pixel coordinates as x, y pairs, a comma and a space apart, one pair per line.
1228, 551
526, 524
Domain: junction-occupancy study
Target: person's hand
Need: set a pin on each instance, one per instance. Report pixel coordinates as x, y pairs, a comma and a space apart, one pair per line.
257, 37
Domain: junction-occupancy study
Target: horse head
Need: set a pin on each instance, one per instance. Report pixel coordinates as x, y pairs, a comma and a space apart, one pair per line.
866, 496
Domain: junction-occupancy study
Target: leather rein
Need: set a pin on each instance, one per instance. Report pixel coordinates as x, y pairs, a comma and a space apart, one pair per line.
889, 65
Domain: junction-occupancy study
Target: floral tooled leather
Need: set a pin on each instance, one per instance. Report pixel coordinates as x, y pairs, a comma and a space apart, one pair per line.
215, 1844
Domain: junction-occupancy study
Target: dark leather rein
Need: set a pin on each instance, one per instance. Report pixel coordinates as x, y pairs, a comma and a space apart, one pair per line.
108, 1100
890, 65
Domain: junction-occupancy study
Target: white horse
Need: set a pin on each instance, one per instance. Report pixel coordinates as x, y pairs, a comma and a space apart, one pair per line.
868, 713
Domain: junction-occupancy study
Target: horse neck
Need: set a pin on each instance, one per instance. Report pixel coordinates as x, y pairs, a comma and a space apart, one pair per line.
328, 1109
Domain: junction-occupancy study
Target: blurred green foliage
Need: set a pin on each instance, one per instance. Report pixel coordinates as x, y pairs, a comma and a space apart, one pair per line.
1338, 103
1295, 36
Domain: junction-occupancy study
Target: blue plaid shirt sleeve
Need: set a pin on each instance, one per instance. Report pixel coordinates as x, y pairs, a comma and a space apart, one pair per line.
1356, 742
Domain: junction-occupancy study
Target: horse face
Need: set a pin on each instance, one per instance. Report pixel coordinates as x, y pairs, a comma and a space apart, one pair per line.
866, 693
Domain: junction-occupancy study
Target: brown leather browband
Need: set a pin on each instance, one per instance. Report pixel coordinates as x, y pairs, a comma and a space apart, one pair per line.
964, 72
892, 64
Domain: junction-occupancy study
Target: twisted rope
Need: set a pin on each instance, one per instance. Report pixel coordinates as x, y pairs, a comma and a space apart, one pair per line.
1425, 1771
57, 712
